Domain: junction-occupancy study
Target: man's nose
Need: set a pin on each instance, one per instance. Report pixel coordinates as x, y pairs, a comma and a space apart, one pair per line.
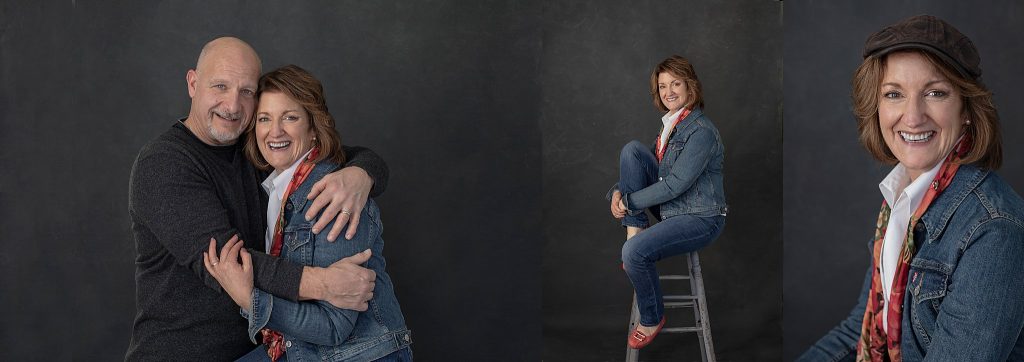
233, 102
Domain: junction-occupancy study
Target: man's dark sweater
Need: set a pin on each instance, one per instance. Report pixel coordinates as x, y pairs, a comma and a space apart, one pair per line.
182, 193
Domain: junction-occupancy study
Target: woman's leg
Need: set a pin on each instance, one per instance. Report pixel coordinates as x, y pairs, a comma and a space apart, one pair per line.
638, 168
673, 236
257, 355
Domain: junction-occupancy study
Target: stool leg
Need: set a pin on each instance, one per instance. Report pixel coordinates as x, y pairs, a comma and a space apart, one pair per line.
700, 309
697, 306
634, 319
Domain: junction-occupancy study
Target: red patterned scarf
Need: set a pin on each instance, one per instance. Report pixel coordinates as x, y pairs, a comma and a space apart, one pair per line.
875, 344
273, 339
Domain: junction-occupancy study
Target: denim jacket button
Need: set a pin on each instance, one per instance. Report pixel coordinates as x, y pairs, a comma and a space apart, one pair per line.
660, 178
288, 344
288, 206
919, 228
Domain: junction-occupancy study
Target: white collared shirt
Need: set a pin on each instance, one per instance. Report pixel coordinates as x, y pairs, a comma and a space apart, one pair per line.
903, 200
275, 185
667, 121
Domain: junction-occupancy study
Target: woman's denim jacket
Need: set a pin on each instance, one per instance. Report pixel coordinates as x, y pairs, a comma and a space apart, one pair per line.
965, 292
689, 175
316, 330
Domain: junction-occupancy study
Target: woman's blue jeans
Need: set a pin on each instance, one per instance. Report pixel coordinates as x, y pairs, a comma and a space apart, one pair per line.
260, 355
638, 168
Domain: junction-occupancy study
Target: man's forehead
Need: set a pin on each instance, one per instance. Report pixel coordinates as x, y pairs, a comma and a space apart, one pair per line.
229, 54
227, 68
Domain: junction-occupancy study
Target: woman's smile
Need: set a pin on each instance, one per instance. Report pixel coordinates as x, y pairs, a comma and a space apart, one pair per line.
277, 146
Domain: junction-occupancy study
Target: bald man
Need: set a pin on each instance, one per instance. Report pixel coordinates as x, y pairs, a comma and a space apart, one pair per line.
193, 183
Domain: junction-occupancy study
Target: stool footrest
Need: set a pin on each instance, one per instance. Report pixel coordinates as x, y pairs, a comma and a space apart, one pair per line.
681, 330
679, 297
674, 277
670, 305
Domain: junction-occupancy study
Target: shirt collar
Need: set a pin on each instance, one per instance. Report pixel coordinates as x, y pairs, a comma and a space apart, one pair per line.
896, 184
668, 118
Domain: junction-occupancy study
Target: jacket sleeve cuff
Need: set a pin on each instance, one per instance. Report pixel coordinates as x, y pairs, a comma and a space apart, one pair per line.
630, 210
611, 191
262, 304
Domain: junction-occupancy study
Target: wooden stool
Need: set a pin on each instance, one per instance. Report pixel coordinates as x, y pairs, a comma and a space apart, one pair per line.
695, 300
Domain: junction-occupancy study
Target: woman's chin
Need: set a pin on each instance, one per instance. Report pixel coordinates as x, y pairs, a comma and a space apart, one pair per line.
280, 164
918, 165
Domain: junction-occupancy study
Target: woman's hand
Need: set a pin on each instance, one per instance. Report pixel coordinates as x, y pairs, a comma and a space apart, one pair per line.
235, 278
344, 194
618, 209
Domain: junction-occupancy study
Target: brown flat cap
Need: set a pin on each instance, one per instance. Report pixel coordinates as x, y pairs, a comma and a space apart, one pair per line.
931, 34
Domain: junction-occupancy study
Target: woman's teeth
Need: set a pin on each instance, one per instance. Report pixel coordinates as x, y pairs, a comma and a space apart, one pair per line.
917, 137
278, 145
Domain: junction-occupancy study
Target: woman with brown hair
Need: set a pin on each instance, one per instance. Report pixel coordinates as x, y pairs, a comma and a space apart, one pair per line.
945, 280
679, 179
293, 135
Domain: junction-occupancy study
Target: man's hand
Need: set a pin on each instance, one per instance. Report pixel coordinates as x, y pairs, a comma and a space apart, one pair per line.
344, 193
618, 209
235, 278
344, 284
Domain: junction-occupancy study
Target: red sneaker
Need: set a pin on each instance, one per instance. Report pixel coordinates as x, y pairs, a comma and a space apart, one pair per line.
638, 339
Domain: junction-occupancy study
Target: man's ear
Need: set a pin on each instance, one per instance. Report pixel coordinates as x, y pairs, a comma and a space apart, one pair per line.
191, 78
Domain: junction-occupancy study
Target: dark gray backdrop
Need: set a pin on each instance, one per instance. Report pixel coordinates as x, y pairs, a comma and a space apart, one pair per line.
830, 182
595, 69
447, 94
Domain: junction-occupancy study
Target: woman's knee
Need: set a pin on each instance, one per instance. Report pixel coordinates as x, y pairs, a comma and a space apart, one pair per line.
632, 255
631, 150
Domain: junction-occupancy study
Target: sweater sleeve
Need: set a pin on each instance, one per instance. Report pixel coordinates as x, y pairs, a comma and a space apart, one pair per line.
277, 276
175, 201
370, 162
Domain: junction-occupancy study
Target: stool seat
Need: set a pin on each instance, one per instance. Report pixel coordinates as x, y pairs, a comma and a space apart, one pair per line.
693, 300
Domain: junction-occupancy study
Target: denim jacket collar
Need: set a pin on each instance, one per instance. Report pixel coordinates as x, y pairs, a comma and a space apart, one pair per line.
935, 220
695, 113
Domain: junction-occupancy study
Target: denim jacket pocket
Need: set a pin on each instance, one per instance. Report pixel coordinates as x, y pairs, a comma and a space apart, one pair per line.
295, 239
672, 149
927, 282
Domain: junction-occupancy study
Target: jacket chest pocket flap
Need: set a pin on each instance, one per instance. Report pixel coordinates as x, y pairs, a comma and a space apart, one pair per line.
673, 149
297, 237
678, 140
927, 280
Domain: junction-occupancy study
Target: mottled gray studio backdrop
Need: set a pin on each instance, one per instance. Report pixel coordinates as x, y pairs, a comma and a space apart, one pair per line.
595, 77
446, 92
830, 182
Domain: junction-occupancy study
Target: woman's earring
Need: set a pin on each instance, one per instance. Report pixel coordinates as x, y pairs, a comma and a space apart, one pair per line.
968, 122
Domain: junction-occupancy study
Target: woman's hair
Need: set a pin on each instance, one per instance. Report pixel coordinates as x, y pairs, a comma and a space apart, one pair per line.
682, 69
977, 107
303, 88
